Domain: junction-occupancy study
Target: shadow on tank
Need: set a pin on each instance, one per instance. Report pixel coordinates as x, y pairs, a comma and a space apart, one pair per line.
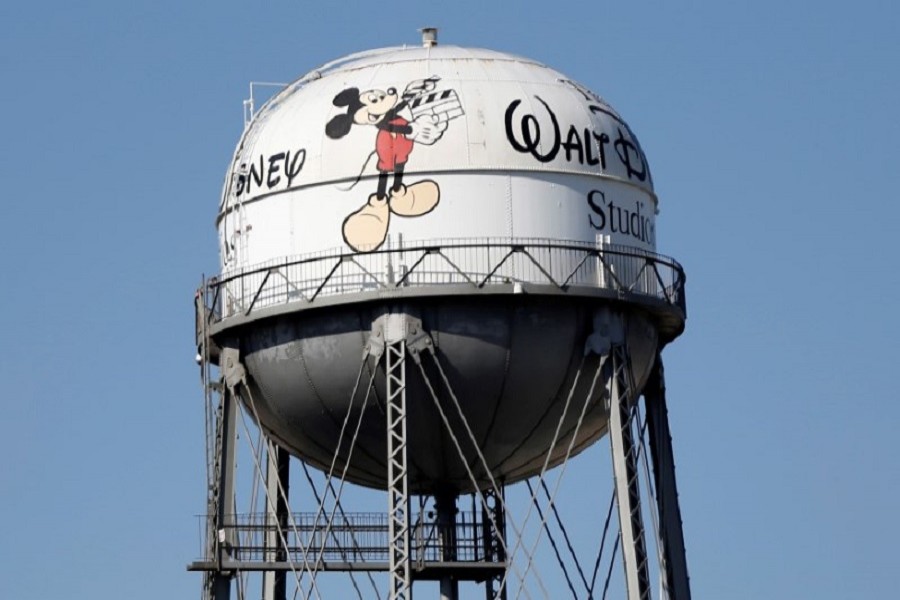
510, 361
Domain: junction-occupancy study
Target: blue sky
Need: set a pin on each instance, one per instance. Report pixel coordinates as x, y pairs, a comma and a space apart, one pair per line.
772, 132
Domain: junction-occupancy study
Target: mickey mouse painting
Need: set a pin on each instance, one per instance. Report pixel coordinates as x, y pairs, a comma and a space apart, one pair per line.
418, 116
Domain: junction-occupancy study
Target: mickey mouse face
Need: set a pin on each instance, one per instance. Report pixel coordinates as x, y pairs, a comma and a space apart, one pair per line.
375, 104
363, 108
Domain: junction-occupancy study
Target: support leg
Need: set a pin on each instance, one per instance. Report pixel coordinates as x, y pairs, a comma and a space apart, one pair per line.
223, 519
277, 479
671, 531
624, 455
396, 337
398, 491
494, 540
446, 522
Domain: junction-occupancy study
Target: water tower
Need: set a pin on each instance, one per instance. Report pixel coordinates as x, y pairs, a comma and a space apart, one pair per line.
438, 278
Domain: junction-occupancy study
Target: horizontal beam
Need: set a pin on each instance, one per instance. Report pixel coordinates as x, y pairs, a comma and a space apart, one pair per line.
466, 571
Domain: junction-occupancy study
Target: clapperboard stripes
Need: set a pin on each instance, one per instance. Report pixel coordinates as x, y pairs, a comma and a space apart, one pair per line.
443, 104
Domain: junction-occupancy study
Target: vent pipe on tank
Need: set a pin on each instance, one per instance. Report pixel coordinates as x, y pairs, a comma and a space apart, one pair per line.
429, 36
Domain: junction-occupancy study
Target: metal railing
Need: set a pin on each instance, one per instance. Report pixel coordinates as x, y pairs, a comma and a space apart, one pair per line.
358, 537
471, 263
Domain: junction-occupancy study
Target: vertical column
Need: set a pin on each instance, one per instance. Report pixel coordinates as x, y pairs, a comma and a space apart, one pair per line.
631, 524
494, 539
277, 481
224, 518
446, 522
398, 492
671, 531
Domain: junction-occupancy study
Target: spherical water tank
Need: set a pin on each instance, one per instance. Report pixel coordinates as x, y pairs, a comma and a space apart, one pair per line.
507, 207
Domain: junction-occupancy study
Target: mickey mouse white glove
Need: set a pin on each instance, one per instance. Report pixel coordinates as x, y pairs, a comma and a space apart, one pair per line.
426, 129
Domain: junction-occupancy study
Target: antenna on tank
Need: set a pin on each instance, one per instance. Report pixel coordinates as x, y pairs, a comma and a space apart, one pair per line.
250, 103
429, 36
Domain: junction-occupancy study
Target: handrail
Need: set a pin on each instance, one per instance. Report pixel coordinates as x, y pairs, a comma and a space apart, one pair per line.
626, 271
360, 537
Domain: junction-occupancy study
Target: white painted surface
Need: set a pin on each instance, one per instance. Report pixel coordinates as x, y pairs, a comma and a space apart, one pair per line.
516, 149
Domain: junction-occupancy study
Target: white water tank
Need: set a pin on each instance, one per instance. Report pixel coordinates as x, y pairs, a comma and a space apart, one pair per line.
480, 143
508, 208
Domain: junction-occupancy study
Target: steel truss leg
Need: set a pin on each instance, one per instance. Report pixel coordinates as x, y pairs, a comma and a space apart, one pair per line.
398, 491
671, 532
624, 455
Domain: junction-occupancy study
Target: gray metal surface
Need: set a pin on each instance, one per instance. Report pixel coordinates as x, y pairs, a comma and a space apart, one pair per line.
510, 360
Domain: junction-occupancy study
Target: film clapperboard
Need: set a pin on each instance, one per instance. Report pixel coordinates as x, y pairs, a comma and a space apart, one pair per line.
443, 104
